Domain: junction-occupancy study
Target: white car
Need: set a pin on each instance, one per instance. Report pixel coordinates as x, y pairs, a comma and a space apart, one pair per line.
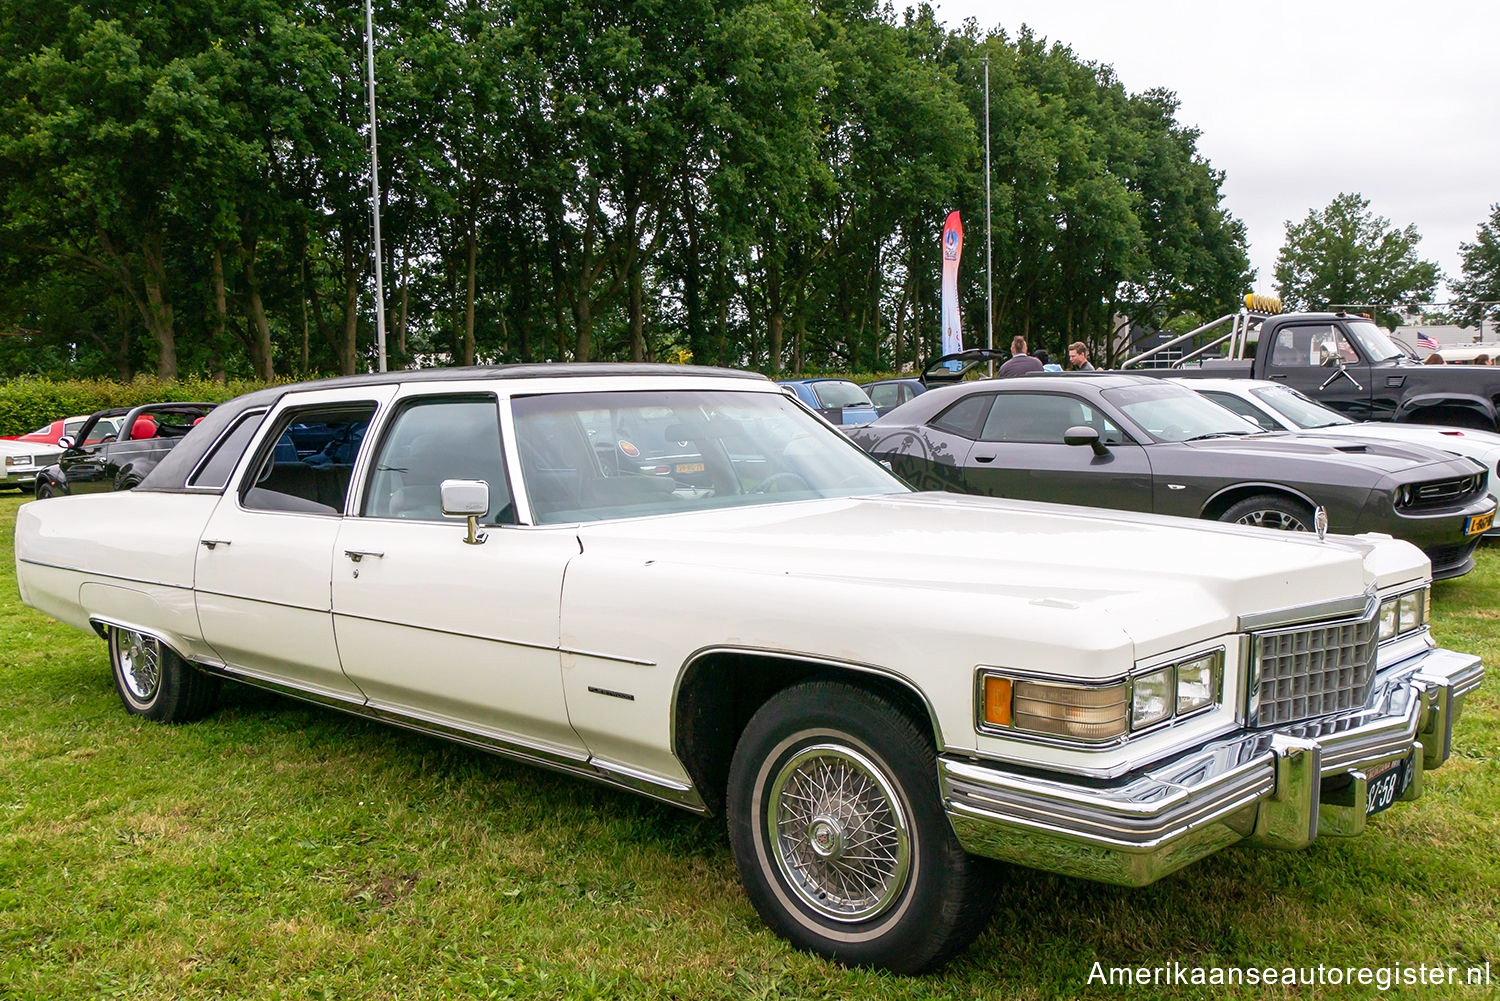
22, 460
878, 688
1276, 407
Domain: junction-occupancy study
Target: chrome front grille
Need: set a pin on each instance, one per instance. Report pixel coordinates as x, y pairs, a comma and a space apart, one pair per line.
1313, 670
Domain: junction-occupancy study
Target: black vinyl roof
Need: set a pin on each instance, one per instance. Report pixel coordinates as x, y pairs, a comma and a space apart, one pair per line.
171, 474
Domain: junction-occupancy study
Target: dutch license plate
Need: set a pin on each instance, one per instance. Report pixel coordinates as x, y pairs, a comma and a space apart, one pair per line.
695, 467
1387, 784
1479, 523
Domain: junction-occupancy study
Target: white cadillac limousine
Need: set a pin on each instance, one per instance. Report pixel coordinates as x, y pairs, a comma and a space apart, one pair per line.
679, 581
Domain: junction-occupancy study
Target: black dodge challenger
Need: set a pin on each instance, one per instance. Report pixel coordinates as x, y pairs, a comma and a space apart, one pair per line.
1123, 441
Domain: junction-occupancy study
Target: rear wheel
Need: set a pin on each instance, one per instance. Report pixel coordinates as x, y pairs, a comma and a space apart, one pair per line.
154, 682
840, 836
1271, 511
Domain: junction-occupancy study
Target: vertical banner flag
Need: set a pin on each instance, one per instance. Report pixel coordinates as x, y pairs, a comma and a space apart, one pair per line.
953, 245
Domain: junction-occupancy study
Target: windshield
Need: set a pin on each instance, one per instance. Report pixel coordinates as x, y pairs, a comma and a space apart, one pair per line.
1171, 413
1374, 342
592, 456
839, 394
1299, 409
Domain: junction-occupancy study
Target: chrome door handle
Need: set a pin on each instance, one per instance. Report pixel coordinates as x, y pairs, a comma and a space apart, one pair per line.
356, 555
211, 543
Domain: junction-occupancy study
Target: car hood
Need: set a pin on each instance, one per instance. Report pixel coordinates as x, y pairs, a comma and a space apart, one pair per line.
949, 563
1373, 456
1464, 441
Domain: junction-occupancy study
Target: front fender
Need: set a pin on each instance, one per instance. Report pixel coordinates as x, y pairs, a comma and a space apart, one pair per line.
1250, 488
1411, 409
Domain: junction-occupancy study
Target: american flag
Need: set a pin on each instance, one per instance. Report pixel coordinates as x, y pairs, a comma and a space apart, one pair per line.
1426, 340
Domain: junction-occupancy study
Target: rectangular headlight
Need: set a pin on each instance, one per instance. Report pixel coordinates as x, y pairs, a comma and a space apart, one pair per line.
1409, 612
1199, 682
1387, 619
1151, 698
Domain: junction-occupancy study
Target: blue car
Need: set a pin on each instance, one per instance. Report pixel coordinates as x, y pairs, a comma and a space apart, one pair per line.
840, 401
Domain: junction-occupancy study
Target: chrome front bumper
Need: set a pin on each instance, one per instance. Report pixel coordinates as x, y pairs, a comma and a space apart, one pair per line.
1280, 787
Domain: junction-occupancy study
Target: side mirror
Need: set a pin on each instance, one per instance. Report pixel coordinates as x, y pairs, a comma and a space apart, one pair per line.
466, 499
66, 442
1082, 434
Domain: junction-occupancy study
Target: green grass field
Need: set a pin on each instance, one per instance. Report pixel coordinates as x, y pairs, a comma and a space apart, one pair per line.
277, 850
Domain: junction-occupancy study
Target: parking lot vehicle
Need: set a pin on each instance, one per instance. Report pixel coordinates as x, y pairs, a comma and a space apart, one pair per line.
119, 459
1341, 360
51, 434
1276, 407
1112, 440
840, 401
878, 688
888, 394
20, 462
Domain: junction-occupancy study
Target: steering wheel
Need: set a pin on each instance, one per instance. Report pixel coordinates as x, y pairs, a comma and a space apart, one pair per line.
776, 482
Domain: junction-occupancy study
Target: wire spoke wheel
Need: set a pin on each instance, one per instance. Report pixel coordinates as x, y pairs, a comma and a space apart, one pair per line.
838, 833
140, 664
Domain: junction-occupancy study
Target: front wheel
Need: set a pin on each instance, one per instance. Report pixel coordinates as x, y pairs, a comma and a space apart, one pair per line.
154, 682
840, 836
1271, 511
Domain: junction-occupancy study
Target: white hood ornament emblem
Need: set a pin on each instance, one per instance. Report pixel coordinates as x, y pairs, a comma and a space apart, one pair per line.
1320, 522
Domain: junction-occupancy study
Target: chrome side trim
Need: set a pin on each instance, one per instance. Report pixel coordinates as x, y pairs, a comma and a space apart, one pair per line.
105, 576
506, 746
552, 647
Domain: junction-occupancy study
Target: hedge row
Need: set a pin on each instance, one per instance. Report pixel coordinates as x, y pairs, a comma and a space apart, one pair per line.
27, 404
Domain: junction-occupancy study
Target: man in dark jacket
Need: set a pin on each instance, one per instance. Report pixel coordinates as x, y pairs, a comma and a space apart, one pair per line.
1020, 362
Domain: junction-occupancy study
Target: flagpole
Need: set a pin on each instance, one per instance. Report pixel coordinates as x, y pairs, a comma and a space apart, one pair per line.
989, 302
375, 187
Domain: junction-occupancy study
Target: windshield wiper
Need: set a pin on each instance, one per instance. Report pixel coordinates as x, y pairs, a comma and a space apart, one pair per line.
1220, 434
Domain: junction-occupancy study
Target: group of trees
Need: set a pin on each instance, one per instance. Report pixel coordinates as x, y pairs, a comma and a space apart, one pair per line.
754, 183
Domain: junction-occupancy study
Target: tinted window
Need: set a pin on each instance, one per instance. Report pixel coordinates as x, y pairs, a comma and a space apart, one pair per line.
214, 472
1043, 417
317, 483
431, 441
1310, 344
966, 416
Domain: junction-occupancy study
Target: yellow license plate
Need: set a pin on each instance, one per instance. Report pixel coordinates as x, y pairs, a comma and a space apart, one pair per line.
1479, 523
697, 467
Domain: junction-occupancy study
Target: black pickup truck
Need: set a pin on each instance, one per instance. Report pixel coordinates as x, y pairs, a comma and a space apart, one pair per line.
1342, 360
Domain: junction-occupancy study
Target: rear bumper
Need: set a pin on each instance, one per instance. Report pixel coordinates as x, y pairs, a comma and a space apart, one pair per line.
1280, 788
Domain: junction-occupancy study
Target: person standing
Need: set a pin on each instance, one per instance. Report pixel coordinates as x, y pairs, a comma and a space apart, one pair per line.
1019, 362
1078, 357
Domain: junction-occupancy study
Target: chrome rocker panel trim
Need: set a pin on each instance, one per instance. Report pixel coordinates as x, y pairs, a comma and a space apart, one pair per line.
1279, 788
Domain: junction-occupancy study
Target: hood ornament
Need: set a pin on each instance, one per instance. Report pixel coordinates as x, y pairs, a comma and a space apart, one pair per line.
1320, 522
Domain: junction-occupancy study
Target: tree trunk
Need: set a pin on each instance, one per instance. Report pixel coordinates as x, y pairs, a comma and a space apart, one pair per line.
637, 317
471, 248
158, 308
265, 366
221, 318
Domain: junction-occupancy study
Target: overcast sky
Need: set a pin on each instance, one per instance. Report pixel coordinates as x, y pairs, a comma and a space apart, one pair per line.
1411, 90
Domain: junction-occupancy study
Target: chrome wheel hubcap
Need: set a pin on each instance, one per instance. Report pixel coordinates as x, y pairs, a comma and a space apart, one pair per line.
1274, 519
140, 664
839, 834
